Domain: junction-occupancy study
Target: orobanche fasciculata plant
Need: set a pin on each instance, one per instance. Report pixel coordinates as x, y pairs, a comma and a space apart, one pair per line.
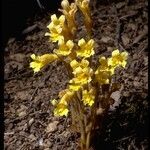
87, 97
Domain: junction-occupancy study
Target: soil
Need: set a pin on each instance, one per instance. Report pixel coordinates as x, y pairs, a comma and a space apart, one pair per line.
29, 120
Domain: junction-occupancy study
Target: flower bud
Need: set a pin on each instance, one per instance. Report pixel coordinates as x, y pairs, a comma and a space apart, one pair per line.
65, 4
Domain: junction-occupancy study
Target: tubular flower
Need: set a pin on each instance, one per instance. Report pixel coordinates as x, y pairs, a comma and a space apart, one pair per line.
104, 65
86, 49
88, 97
118, 59
64, 48
62, 107
82, 74
61, 110
83, 64
74, 86
102, 77
56, 28
41, 61
104, 72
66, 96
84, 7
69, 12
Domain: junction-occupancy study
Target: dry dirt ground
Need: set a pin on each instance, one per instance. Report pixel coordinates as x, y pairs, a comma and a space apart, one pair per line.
29, 121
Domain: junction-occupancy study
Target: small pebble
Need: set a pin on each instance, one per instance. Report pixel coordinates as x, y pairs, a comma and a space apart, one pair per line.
32, 137
21, 114
31, 121
52, 127
41, 142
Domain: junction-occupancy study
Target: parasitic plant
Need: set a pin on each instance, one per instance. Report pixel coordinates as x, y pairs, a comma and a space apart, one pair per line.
87, 97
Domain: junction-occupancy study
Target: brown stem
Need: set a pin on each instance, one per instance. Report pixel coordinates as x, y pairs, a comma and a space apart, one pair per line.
67, 66
88, 140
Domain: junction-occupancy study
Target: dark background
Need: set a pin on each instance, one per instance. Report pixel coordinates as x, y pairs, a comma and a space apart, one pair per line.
14, 14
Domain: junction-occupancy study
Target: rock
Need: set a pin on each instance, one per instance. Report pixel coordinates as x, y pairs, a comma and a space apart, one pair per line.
41, 142
52, 127
116, 96
47, 144
23, 95
22, 111
32, 137
19, 57
22, 114
31, 121
110, 49
125, 39
105, 39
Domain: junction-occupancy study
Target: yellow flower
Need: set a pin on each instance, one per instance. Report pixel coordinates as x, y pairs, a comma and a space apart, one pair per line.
84, 7
102, 77
69, 12
56, 22
54, 102
83, 64
64, 48
61, 110
41, 61
86, 49
66, 96
74, 87
82, 74
77, 82
55, 34
104, 72
118, 59
56, 28
62, 107
104, 65
103, 62
107, 66
88, 97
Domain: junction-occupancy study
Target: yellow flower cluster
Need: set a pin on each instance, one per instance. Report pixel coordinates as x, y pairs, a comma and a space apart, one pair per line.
41, 61
88, 97
104, 72
64, 27
86, 49
107, 66
57, 28
118, 59
64, 48
62, 30
84, 7
69, 11
82, 74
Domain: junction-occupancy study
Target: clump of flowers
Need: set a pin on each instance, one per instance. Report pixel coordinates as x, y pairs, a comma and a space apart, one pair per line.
87, 95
